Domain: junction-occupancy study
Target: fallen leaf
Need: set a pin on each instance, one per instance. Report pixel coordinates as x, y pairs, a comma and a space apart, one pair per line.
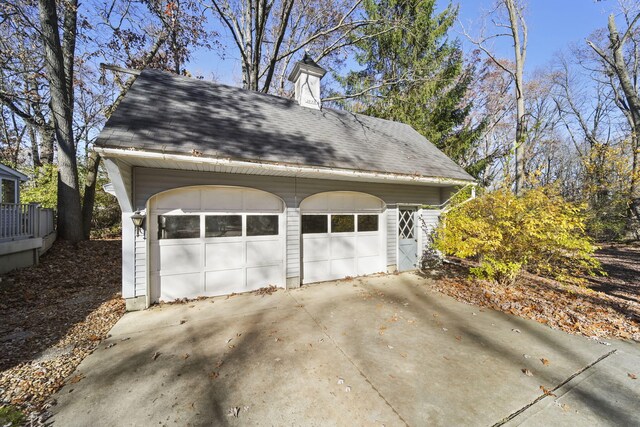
632, 376
547, 392
76, 378
544, 361
527, 372
267, 290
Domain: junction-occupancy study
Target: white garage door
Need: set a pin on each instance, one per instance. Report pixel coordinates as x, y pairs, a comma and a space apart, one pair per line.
209, 241
342, 236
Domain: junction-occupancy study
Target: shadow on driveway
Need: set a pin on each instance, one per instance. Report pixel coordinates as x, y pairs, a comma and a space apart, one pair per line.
376, 350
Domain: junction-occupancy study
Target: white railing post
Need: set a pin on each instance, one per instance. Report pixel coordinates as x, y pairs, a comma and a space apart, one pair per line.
24, 221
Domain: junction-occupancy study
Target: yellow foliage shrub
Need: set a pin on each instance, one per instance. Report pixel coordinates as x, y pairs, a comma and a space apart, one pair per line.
539, 232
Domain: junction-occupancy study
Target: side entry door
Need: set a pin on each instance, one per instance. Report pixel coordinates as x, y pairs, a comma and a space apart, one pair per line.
407, 238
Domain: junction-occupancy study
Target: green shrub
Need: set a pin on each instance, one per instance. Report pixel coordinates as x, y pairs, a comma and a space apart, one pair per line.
10, 416
42, 188
539, 232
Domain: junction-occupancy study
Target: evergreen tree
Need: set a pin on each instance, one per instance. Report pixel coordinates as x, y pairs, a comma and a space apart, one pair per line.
413, 73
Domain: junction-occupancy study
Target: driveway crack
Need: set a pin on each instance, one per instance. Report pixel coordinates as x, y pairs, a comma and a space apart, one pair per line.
322, 328
539, 398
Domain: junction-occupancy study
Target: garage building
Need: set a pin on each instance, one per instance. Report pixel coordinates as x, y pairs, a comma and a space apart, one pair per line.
235, 190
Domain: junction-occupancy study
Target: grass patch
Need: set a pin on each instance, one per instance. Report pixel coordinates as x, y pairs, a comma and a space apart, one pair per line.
10, 416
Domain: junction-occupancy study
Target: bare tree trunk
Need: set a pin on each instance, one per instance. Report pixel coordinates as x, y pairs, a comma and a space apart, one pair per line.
520, 52
516, 28
47, 142
69, 210
615, 62
90, 193
35, 153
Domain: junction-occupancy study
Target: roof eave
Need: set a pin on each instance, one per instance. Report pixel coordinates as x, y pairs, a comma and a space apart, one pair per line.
13, 172
292, 169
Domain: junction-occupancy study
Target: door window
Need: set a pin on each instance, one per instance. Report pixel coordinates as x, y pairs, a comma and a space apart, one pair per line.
222, 225
262, 225
178, 226
342, 223
406, 224
313, 224
367, 222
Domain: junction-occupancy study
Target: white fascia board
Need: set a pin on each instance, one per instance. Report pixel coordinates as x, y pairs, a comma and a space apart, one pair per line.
118, 185
321, 172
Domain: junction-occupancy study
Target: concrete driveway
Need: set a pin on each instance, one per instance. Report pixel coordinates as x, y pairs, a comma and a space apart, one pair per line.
373, 351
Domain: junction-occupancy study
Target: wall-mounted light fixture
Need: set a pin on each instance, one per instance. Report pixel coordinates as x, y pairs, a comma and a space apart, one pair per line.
138, 222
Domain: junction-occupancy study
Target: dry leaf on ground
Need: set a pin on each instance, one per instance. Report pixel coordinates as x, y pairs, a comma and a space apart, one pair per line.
55, 314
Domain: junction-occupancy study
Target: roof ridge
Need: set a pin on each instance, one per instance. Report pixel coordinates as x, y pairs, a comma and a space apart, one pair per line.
238, 88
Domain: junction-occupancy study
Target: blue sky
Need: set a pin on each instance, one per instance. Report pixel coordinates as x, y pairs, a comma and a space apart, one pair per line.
553, 26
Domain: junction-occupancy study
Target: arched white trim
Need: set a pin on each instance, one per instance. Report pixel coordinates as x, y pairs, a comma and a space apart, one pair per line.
342, 202
215, 198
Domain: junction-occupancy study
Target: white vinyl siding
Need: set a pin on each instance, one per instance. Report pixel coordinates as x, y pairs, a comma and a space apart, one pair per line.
140, 265
430, 218
392, 235
293, 242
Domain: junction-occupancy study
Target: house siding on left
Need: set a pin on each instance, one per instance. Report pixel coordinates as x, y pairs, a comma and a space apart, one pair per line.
147, 182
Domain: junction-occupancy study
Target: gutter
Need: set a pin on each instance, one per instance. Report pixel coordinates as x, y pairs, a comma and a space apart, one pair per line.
444, 204
279, 167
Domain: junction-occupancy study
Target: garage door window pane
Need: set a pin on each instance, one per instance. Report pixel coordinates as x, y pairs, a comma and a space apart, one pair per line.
342, 223
313, 224
262, 225
178, 226
367, 222
222, 225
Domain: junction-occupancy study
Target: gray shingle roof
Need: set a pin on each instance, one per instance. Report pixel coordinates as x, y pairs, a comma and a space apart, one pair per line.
173, 114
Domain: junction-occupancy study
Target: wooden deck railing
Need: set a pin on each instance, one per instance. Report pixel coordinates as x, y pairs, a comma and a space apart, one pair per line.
18, 221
